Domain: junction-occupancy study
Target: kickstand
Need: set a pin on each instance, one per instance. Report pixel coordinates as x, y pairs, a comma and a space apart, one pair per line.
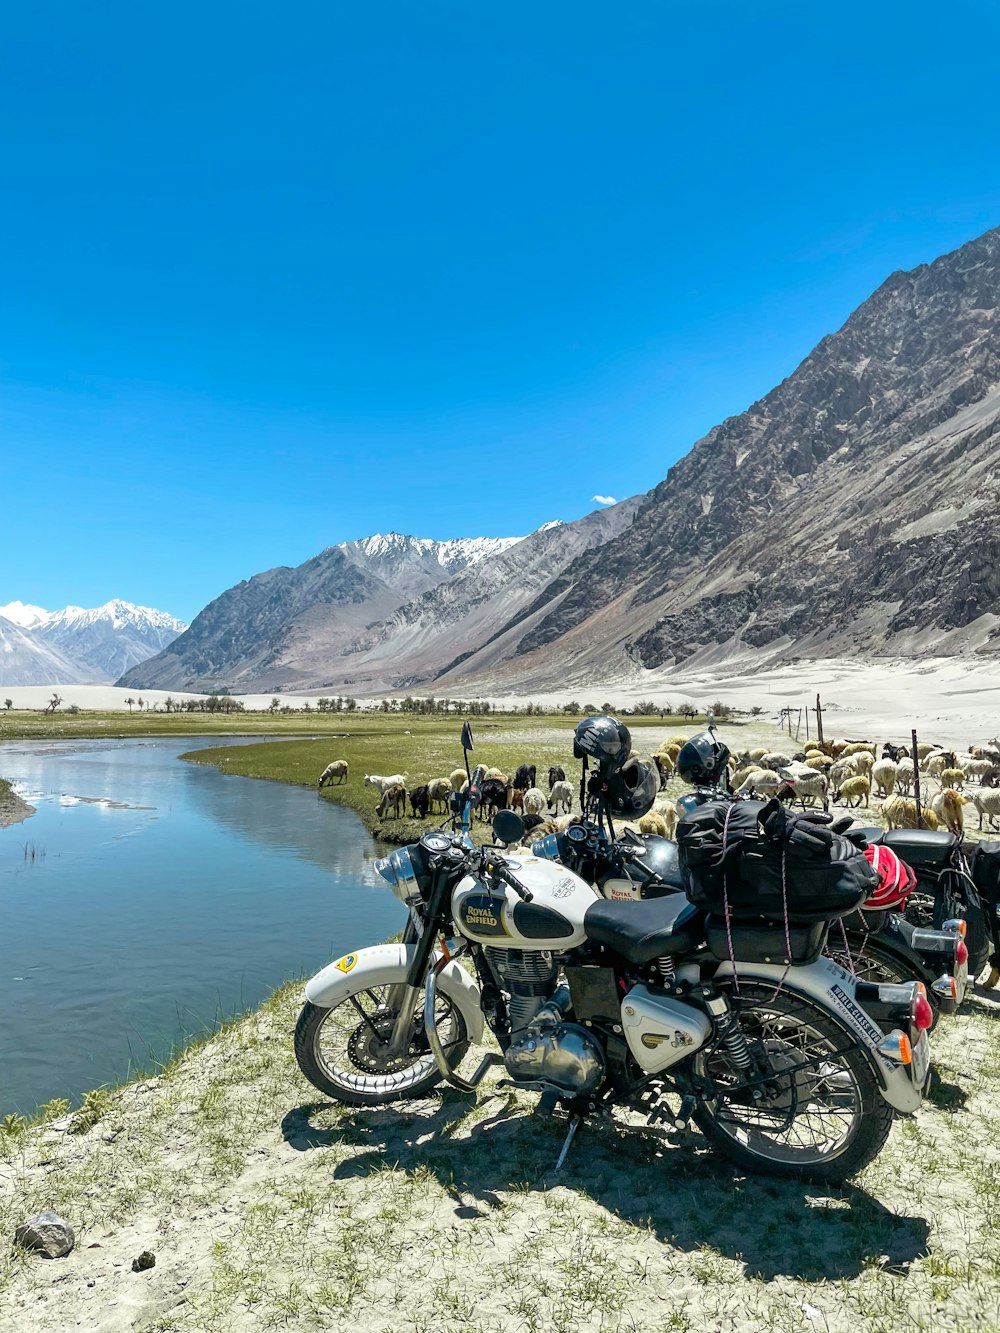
574, 1125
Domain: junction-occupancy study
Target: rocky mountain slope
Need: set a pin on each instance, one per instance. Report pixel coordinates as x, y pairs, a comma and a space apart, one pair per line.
79, 645
852, 510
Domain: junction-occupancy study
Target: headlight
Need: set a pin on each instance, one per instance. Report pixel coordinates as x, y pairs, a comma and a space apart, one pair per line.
398, 871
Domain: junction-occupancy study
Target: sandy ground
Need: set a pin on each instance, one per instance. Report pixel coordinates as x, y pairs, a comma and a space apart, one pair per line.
952, 699
13, 808
268, 1207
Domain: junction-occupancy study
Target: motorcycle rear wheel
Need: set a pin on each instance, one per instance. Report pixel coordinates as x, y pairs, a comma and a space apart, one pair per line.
342, 1050
840, 1121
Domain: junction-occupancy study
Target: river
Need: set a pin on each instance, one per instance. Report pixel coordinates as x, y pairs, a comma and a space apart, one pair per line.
149, 898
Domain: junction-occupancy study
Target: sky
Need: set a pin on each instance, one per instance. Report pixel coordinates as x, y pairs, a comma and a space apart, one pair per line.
276, 276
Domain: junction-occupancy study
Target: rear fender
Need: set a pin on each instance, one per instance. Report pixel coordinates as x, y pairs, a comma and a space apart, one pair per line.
386, 965
833, 989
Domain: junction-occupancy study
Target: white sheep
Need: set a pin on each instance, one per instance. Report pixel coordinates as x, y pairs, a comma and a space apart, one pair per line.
652, 824
948, 805
952, 777
535, 802
987, 802
561, 795
807, 786
900, 812
904, 775
774, 760
667, 811
975, 768
458, 779
383, 784
884, 776
498, 775
338, 769
438, 790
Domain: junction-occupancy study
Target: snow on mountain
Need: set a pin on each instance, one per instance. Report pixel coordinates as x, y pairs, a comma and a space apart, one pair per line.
26, 660
412, 565
23, 614
80, 645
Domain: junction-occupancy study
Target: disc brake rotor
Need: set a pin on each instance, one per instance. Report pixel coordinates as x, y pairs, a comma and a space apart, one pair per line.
368, 1050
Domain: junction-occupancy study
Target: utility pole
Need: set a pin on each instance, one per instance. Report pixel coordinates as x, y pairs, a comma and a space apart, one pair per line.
916, 778
819, 721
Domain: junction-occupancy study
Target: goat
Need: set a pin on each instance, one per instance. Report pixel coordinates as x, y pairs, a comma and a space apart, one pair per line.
525, 776
493, 797
383, 784
948, 805
517, 799
900, 812
338, 770
556, 774
420, 800
394, 796
988, 805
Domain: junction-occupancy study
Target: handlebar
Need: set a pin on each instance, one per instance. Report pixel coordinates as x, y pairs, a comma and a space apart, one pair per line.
498, 871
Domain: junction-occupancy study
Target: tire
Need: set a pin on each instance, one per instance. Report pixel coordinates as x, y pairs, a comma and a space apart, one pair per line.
842, 1088
338, 1049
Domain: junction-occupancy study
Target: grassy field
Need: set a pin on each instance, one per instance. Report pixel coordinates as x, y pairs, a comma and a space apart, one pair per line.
422, 747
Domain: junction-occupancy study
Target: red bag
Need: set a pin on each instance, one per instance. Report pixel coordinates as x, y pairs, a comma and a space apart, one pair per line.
896, 881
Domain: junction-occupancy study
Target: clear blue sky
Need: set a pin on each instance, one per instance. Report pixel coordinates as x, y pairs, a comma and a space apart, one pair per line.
279, 275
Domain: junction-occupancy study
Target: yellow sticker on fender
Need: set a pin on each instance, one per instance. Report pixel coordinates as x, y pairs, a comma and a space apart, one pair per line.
346, 963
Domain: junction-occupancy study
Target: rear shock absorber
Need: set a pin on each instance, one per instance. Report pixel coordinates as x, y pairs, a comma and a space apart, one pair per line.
730, 1032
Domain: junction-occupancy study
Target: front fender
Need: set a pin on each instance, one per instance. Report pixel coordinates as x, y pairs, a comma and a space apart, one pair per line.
833, 989
387, 965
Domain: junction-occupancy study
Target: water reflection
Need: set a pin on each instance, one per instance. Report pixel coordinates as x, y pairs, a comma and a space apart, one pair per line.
161, 897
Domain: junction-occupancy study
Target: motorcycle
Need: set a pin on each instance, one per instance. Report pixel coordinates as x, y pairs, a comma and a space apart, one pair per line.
793, 1070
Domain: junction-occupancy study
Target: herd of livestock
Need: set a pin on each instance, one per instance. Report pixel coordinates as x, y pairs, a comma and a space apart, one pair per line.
848, 773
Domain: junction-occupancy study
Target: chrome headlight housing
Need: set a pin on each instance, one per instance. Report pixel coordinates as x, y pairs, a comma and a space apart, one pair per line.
399, 872
547, 847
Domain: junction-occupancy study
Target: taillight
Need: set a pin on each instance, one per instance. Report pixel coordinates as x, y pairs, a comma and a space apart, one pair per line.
923, 1014
896, 1046
961, 952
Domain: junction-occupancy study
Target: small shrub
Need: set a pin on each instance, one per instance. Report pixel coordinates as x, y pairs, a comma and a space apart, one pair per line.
96, 1105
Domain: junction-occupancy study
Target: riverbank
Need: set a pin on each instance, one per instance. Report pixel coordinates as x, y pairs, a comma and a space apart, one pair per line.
268, 1207
13, 809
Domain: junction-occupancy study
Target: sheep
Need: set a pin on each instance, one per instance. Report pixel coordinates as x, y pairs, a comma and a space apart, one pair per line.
556, 774
900, 812
652, 824
438, 791
458, 778
975, 768
517, 800
420, 801
924, 748
807, 785
338, 770
904, 776
952, 777
525, 776
858, 747
948, 805
991, 778
394, 797
498, 775
865, 761
762, 780
820, 762
561, 794
665, 767
842, 769
858, 786
774, 760
757, 755
383, 784
884, 776
667, 811
534, 801
988, 805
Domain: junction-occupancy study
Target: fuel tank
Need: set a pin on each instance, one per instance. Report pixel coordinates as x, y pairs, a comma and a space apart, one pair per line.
552, 920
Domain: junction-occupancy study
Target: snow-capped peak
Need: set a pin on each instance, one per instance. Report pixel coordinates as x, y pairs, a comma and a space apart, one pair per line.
552, 523
117, 614
24, 614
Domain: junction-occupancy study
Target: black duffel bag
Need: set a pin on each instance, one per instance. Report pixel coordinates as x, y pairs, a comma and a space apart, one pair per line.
986, 871
760, 860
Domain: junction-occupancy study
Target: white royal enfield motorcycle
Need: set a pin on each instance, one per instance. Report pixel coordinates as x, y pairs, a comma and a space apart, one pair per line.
790, 1068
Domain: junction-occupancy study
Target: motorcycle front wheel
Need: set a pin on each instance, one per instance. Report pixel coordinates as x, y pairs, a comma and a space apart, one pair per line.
819, 1115
343, 1051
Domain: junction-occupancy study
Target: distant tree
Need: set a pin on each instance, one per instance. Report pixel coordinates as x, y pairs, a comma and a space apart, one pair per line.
756, 710
274, 705
721, 710
571, 707
139, 703
687, 710
74, 709
607, 708
590, 708
168, 703
8, 704
53, 704
130, 701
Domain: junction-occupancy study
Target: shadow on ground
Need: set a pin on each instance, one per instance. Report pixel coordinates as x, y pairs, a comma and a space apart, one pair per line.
686, 1196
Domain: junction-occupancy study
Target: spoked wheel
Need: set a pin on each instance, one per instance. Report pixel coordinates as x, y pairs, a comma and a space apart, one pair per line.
344, 1051
818, 1114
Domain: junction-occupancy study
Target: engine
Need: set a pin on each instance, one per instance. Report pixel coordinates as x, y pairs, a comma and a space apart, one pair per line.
545, 1048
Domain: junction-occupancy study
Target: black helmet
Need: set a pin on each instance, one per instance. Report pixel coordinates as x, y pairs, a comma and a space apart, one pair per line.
702, 760
602, 738
632, 790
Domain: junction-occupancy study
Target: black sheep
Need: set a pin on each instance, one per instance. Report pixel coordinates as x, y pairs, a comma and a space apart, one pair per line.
524, 777
556, 774
493, 798
420, 802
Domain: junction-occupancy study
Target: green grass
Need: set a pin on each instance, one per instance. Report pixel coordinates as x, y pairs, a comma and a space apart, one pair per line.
422, 747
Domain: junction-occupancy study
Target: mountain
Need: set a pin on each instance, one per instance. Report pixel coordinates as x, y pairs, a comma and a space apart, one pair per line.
379, 614
854, 510
79, 645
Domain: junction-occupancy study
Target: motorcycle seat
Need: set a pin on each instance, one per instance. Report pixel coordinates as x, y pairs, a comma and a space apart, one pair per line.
642, 931
920, 847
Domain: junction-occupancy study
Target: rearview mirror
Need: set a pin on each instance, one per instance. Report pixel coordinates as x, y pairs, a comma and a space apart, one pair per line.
508, 826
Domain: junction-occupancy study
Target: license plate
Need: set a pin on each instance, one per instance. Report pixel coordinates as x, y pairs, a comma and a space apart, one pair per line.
418, 921
921, 1059
961, 975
